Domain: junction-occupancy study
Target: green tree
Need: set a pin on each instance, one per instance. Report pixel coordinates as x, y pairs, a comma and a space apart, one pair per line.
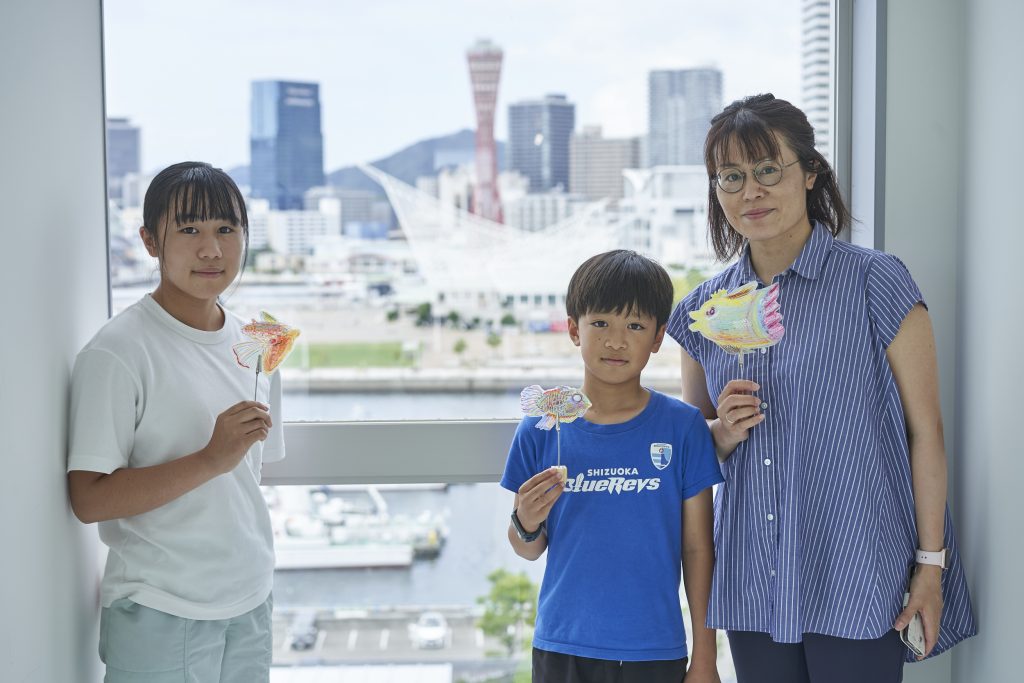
392, 315
509, 607
494, 340
684, 282
424, 314
508, 320
460, 346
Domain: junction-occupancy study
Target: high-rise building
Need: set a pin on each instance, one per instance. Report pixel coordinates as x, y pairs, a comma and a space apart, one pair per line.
287, 156
346, 206
816, 71
539, 210
484, 73
123, 154
539, 132
681, 103
596, 163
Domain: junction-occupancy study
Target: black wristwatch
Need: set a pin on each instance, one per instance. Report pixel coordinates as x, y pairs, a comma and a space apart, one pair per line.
524, 535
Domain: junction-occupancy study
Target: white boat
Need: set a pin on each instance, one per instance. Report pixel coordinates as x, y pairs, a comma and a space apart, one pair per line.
304, 542
304, 553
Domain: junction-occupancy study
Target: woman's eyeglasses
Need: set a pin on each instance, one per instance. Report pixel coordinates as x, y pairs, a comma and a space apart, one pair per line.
766, 173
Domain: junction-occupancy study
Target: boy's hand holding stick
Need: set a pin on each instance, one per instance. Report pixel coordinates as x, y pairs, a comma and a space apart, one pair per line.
536, 497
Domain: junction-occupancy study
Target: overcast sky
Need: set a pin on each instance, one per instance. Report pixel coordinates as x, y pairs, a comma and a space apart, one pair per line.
392, 72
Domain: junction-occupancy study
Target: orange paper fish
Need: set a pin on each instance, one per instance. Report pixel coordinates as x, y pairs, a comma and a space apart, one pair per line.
271, 343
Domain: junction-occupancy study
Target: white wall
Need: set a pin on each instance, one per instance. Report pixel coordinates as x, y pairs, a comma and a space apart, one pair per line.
923, 127
953, 104
53, 297
990, 469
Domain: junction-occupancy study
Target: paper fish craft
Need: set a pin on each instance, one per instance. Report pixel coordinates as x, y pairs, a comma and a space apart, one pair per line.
561, 404
271, 343
558, 405
742, 320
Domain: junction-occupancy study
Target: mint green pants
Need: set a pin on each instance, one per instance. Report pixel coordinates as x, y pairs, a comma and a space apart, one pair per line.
143, 645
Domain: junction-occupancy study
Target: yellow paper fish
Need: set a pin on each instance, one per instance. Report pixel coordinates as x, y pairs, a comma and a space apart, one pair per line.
561, 404
271, 343
741, 321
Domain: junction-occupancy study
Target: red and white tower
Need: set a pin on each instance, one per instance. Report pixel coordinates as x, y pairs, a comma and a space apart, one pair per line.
484, 72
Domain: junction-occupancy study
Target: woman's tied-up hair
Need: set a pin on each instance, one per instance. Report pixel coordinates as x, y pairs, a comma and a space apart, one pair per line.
754, 125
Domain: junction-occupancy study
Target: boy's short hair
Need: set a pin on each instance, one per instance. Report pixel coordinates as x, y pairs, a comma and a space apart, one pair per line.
620, 281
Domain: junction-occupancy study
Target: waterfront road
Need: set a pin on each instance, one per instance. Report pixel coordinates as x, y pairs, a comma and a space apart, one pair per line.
350, 637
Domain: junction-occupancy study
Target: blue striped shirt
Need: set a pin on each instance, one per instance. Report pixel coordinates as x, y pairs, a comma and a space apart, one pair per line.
815, 525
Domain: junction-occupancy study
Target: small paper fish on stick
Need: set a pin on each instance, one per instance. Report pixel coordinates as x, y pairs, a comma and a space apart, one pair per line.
271, 343
558, 405
742, 320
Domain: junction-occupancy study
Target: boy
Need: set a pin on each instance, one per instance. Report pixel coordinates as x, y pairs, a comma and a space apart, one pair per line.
638, 498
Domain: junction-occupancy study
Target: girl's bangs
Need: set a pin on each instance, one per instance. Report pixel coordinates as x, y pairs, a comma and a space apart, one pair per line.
203, 201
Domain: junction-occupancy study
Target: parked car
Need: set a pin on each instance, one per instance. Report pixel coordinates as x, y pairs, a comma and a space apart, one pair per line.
431, 631
303, 630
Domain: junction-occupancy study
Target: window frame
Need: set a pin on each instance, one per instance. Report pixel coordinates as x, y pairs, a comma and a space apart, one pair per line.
474, 451
392, 452
468, 451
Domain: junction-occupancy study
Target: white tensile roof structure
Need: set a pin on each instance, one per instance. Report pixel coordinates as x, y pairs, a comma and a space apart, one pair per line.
460, 252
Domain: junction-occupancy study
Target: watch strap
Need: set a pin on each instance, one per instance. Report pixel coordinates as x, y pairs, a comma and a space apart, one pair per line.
939, 558
524, 535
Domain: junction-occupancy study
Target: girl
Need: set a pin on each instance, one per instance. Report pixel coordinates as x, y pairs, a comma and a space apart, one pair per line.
831, 441
165, 453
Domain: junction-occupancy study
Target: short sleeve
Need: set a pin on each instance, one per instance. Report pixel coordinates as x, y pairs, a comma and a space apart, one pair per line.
891, 293
522, 457
273, 446
679, 325
700, 463
104, 396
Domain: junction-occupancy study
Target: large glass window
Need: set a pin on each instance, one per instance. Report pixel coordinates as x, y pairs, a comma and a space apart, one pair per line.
421, 181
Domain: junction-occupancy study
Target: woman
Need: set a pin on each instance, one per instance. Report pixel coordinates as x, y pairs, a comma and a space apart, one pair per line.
830, 441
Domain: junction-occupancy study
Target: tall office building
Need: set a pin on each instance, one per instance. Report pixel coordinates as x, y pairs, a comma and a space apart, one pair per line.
123, 155
681, 103
287, 156
816, 71
539, 133
596, 163
484, 73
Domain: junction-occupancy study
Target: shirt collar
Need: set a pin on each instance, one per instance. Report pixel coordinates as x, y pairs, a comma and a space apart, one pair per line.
808, 264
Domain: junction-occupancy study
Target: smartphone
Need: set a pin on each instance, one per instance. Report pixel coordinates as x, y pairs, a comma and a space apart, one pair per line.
912, 634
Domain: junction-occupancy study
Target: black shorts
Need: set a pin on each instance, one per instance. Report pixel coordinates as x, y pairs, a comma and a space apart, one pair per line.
554, 667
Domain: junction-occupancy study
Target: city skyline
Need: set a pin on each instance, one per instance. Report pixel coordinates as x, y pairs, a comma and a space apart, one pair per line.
394, 73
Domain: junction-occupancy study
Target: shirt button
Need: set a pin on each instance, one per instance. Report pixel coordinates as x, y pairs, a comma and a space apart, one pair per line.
767, 461
770, 517
764, 405
764, 350
773, 572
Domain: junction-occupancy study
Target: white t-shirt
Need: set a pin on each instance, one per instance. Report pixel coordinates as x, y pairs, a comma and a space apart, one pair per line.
146, 390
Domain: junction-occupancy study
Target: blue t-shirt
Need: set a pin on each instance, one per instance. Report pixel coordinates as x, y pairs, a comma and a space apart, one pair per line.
611, 585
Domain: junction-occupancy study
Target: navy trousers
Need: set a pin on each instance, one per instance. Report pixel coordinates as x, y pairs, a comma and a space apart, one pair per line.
818, 659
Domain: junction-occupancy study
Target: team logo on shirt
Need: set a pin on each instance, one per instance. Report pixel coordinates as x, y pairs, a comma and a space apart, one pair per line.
661, 455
